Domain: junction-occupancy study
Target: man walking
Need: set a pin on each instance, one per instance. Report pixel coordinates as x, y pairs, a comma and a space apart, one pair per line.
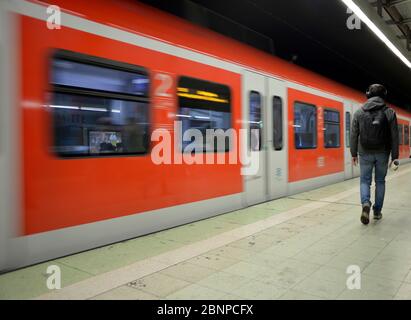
374, 135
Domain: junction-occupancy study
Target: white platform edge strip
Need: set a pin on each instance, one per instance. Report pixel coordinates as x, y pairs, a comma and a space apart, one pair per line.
99, 284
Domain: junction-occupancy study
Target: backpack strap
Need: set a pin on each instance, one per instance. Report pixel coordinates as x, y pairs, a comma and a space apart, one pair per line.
389, 113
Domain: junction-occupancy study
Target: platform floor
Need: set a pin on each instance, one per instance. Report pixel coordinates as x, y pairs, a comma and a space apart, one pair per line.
296, 247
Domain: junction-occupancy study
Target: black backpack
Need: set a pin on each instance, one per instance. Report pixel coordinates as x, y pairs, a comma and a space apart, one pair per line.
374, 129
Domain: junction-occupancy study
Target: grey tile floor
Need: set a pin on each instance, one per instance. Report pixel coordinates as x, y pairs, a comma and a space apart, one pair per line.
305, 257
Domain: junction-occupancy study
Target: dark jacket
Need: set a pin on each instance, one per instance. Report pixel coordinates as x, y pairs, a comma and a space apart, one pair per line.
391, 144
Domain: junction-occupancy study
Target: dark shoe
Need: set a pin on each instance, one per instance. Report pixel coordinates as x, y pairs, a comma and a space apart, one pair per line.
377, 215
365, 215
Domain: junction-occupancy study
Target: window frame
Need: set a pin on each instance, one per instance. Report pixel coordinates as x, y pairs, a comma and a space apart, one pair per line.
347, 129
406, 135
178, 108
401, 134
260, 146
103, 63
316, 125
330, 122
282, 122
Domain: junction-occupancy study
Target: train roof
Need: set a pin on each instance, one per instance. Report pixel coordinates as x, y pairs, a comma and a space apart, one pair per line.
137, 17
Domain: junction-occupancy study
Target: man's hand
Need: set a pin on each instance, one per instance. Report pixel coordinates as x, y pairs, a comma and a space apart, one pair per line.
355, 161
395, 161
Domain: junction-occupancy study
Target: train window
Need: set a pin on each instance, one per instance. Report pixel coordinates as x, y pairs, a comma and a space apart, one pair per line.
331, 128
277, 123
97, 77
205, 106
305, 125
255, 122
99, 107
406, 135
347, 128
401, 133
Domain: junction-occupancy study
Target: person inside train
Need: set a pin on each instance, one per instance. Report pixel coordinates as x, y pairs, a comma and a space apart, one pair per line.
374, 135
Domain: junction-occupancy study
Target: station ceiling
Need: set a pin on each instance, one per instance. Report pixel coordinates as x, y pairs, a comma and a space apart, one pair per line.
397, 15
311, 33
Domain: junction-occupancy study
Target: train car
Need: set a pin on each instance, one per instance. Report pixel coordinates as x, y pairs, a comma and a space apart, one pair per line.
87, 86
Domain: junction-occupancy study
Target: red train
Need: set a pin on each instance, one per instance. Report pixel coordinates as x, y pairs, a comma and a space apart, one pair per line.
80, 102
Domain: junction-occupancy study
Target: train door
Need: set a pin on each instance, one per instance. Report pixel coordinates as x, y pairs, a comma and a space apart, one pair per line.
254, 111
348, 113
276, 137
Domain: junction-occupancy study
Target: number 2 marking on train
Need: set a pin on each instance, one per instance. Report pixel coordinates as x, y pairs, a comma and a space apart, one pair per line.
166, 83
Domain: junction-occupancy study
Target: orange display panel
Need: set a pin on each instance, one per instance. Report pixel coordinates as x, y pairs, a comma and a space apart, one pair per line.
319, 160
60, 192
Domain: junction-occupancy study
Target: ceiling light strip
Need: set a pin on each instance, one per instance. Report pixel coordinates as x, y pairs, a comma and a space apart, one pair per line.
361, 15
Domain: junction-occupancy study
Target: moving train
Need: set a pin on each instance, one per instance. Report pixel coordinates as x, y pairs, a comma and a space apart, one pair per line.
82, 94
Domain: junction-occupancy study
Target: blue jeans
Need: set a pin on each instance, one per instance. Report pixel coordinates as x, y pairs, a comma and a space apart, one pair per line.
368, 162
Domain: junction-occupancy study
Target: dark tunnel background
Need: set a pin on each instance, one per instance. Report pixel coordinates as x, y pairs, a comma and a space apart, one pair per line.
310, 33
